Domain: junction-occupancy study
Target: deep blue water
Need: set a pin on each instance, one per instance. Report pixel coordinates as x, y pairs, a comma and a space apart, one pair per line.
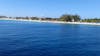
47, 39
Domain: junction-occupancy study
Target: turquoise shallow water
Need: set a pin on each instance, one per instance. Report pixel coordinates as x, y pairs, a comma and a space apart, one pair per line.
48, 39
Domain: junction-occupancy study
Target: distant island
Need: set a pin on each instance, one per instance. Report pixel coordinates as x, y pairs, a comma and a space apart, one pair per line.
66, 18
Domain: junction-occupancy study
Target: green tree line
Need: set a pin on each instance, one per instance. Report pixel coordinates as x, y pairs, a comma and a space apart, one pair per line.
91, 20
64, 17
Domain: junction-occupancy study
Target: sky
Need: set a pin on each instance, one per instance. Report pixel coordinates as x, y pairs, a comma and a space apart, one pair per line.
50, 8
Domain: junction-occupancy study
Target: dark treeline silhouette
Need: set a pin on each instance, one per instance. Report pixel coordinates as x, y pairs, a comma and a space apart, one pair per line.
91, 20
3, 17
70, 18
65, 17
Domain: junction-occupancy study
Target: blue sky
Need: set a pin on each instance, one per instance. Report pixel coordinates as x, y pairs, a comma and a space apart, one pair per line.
50, 8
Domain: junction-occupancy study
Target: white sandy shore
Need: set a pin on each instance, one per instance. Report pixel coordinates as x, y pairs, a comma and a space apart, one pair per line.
55, 21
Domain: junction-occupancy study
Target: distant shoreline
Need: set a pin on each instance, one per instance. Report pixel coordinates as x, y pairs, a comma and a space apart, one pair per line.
85, 23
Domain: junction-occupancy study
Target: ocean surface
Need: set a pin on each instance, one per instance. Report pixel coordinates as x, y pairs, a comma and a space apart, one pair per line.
19, 38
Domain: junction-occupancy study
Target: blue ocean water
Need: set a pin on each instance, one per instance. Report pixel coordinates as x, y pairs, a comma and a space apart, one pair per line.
48, 39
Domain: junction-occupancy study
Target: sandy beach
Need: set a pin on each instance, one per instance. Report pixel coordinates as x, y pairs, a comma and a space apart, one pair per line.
45, 21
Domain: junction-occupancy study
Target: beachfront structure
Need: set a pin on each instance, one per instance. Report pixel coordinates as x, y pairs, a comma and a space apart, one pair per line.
73, 20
